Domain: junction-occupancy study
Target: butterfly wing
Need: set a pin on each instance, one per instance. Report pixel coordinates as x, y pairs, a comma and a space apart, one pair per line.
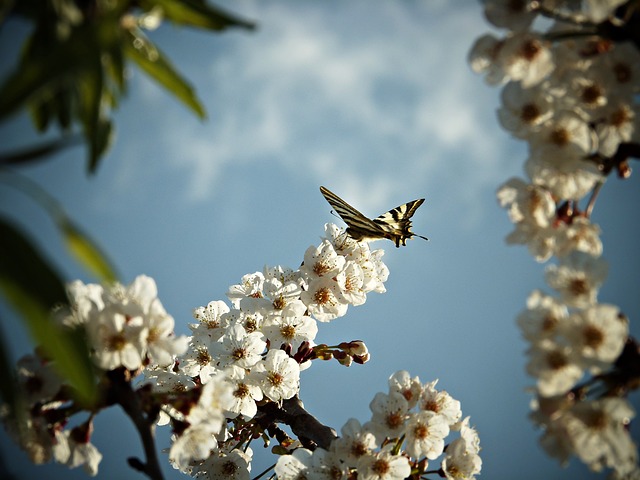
397, 222
359, 227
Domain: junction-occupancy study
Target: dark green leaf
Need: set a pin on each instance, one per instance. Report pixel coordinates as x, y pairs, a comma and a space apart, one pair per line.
197, 13
36, 153
9, 392
33, 287
151, 60
87, 252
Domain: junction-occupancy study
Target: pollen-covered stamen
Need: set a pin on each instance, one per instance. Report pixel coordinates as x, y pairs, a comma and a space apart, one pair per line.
323, 296
596, 420
211, 323
619, 117
622, 72
421, 431
288, 331
549, 323
351, 283
530, 49
557, 360
578, 287
275, 379
229, 468
560, 137
529, 113
239, 354
117, 342
380, 467
321, 267
154, 334
203, 357
358, 449
394, 420
279, 303
250, 324
241, 391
592, 336
592, 94
431, 406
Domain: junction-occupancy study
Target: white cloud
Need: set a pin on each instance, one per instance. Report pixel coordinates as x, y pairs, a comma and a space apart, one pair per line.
360, 99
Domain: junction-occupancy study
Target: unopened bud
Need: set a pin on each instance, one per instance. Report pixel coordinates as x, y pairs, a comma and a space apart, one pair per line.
355, 347
346, 361
361, 359
624, 170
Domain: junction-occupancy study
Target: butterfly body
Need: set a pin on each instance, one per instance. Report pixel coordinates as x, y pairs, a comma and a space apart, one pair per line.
394, 224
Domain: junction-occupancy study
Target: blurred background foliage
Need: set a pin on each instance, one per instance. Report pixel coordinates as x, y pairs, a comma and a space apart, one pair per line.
71, 75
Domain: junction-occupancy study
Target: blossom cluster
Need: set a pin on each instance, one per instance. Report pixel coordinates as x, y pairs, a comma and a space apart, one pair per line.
407, 430
125, 326
212, 385
261, 343
571, 93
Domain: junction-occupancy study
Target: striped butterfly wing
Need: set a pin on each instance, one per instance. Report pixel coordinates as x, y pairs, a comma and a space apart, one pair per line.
359, 227
394, 224
397, 222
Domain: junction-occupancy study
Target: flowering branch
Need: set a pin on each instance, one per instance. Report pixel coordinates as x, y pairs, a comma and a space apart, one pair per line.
237, 378
572, 95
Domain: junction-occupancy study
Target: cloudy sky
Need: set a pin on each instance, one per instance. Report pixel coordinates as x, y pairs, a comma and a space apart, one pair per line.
378, 104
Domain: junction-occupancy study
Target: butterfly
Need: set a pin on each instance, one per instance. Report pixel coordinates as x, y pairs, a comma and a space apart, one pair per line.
394, 225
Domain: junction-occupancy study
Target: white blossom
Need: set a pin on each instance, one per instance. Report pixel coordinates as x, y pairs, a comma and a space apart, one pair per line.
440, 402
294, 466
577, 277
278, 375
410, 388
390, 413
544, 317
598, 334
354, 442
237, 347
383, 465
555, 367
425, 433
462, 460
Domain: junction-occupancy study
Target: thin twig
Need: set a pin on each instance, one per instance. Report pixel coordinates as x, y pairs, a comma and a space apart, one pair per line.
592, 199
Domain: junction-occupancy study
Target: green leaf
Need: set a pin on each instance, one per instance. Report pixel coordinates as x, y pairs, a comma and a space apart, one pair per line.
147, 56
36, 153
33, 288
197, 13
86, 251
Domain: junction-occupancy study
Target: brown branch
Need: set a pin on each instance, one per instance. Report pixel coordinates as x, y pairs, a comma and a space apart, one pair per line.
309, 430
124, 395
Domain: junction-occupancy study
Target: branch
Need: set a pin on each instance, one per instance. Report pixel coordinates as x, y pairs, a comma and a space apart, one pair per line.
309, 430
127, 398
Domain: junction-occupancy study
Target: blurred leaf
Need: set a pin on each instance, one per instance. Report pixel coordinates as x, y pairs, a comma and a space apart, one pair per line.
33, 288
8, 391
36, 153
80, 245
100, 142
197, 13
87, 252
147, 56
91, 86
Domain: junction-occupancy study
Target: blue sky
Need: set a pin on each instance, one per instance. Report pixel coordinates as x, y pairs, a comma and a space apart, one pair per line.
376, 103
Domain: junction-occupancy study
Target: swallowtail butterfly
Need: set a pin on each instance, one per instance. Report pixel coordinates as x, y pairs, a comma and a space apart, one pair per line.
394, 225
